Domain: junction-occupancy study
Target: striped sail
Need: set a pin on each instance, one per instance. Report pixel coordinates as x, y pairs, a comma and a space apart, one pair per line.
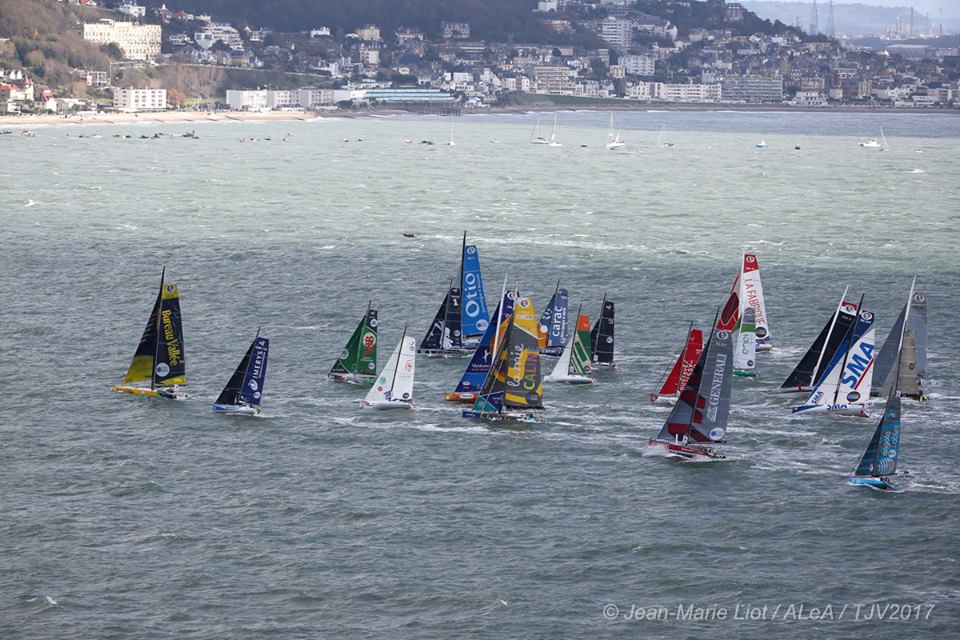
823, 349
751, 295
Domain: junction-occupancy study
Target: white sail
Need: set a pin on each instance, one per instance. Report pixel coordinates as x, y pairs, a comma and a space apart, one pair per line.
751, 295
562, 368
395, 382
745, 347
554, 142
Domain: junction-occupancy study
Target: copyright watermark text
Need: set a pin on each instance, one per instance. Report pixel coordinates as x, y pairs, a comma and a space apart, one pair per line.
783, 612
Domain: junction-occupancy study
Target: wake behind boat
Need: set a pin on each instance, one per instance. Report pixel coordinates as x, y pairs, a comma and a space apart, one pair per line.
244, 391
159, 359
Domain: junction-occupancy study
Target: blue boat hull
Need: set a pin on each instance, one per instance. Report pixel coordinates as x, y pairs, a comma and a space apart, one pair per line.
875, 483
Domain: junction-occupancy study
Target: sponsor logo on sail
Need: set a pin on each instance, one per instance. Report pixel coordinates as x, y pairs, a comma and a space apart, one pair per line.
716, 385
170, 337
162, 369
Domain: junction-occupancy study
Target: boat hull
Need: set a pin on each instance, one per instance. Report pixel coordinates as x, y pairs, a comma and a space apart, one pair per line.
688, 451
505, 416
764, 346
350, 378
386, 405
875, 483
162, 392
841, 408
447, 353
745, 374
236, 409
570, 379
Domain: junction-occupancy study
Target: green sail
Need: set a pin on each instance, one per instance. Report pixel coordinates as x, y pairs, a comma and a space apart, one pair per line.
581, 356
359, 357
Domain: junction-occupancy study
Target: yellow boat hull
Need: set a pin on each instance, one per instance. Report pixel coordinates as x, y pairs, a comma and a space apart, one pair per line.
169, 394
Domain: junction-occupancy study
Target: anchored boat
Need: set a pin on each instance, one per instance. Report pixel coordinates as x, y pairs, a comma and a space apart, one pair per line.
244, 391
357, 363
159, 360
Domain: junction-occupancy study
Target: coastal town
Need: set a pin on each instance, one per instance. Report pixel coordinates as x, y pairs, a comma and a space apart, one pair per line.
609, 52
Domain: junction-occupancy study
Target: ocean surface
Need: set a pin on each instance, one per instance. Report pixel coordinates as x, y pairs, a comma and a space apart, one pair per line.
132, 518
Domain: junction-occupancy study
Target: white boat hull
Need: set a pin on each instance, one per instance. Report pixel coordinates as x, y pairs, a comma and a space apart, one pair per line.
686, 451
505, 416
235, 409
840, 408
570, 379
386, 405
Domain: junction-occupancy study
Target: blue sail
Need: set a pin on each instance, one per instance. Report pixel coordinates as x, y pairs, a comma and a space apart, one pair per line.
473, 311
880, 456
476, 372
554, 320
254, 377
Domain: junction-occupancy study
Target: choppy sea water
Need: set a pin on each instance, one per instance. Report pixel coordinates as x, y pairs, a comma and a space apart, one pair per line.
125, 517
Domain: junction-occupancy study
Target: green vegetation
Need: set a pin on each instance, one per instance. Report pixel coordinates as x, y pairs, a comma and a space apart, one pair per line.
186, 83
43, 40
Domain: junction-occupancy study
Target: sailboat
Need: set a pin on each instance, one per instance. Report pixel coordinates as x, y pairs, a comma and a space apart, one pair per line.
159, 360
699, 418
473, 377
513, 388
873, 143
660, 142
357, 363
909, 333
682, 368
879, 459
745, 350
751, 295
846, 382
553, 323
450, 141
244, 390
762, 144
537, 138
444, 337
808, 370
554, 142
474, 316
393, 388
614, 141
574, 366
601, 336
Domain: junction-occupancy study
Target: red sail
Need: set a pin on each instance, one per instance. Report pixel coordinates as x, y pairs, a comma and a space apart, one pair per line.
684, 365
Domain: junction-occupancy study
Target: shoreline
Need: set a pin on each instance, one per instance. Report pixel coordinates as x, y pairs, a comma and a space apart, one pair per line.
195, 117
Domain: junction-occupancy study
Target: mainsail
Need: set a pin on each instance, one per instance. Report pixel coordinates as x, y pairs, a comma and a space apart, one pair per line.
553, 323
601, 337
170, 365
809, 370
524, 380
913, 368
701, 411
395, 382
751, 295
575, 358
445, 333
246, 384
474, 316
141, 367
880, 456
684, 365
359, 357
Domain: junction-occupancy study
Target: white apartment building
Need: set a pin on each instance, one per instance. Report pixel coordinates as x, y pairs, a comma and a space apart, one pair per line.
311, 98
639, 65
247, 99
617, 32
554, 79
137, 41
218, 31
133, 100
674, 92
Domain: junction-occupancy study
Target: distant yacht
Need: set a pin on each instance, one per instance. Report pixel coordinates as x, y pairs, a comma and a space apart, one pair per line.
660, 142
873, 143
553, 135
537, 138
450, 141
762, 144
614, 141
